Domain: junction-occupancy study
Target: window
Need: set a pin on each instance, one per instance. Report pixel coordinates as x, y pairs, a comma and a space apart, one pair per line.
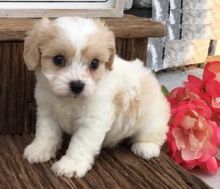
52, 8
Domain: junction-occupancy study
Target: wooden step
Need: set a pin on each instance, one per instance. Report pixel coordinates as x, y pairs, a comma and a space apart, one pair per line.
126, 27
114, 169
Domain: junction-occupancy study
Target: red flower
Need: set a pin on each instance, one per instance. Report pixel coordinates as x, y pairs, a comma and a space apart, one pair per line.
192, 139
211, 78
194, 136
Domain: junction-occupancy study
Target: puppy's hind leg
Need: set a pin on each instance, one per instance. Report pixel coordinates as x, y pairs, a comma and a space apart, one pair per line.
149, 139
147, 145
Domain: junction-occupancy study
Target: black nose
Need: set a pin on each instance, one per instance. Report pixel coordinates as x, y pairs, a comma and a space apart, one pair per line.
77, 86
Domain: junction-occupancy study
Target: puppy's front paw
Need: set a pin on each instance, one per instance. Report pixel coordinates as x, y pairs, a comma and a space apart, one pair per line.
37, 152
146, 150
69, 167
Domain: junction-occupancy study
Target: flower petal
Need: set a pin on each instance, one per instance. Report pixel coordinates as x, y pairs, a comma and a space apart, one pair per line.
210, 71
188, 122
213, 88
210, 166
188, 154
194, 81
209, 150
216, 102
216, 133
201, 107
180, 138
194, 143
190, 164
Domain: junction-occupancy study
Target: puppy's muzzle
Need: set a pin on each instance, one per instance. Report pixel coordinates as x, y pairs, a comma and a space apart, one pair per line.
77, 86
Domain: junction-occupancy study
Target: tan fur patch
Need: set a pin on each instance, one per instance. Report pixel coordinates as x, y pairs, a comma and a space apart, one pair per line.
54, 45
32, 42
58, 46
97, 74
131, 107
118, 101
43, 39
101, 46
127, 107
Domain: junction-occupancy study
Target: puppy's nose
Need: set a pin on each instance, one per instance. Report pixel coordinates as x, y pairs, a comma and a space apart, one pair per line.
77, 86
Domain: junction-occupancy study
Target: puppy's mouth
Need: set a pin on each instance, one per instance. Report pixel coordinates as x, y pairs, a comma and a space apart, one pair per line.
74, 96
69, 95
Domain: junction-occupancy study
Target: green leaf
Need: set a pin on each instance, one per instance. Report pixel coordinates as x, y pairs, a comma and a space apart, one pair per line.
165, 91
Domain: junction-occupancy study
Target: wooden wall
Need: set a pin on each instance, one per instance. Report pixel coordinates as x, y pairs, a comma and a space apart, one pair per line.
17, 105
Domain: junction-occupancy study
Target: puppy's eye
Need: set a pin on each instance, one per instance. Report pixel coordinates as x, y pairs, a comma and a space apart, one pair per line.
59, 60
94, 64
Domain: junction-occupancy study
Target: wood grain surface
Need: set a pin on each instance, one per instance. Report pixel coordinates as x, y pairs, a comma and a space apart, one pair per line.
126, 27
17, 105
130, 49
116, 168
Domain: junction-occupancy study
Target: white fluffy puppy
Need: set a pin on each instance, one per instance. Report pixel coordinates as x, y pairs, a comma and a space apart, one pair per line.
87, 91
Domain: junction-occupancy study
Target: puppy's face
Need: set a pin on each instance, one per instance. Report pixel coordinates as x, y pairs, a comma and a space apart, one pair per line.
74, 54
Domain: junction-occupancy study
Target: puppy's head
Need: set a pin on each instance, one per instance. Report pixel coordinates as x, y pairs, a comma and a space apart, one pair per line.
74, 54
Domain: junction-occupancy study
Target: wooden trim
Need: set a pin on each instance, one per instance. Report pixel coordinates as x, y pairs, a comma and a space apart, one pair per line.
116, 11
126, 27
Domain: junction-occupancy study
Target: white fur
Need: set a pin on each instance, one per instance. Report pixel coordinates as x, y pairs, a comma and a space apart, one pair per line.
94, 119
76, 36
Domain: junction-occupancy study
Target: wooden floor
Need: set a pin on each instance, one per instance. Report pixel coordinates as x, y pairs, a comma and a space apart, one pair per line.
117, 168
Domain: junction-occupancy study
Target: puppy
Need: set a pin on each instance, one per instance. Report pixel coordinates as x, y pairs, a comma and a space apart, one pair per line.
87, 91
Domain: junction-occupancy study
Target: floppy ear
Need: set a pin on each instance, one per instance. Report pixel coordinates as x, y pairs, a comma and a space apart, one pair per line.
109, 38
112, 48
108, 65
32, 42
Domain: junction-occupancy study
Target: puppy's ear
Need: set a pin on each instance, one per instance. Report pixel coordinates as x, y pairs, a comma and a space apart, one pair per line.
109, 41
112, 48
109, 64
32, 42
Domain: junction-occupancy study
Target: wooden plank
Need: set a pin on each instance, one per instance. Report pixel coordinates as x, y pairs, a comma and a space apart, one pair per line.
17, 105
114, 168
130, 49
125, 27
